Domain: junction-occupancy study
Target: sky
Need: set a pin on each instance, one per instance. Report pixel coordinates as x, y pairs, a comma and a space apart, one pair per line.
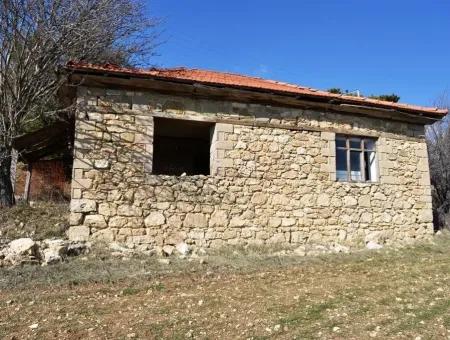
374, 46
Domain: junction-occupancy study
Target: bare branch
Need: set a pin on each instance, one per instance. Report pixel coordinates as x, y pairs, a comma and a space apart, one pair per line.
438, 142
37, 37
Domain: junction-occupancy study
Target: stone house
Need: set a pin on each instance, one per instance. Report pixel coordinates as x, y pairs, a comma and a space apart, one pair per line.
213, 159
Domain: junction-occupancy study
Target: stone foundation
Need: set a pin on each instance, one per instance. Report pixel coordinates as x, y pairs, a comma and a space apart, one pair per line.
273, 177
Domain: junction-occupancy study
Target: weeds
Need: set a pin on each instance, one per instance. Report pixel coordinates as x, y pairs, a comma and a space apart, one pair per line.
39, 221
130, 291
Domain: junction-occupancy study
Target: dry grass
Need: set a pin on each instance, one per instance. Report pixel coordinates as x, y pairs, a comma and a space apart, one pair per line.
398, 294
40, 221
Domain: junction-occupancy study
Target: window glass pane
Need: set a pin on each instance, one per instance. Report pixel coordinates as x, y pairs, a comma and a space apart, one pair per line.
355, 143
355, 166
340, 142
370, 166
341, 165
369, 144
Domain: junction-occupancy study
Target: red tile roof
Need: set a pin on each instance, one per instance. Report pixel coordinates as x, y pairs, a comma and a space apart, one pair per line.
250, 83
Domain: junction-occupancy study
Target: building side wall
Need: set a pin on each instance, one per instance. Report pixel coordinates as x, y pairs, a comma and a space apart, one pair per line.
267, 184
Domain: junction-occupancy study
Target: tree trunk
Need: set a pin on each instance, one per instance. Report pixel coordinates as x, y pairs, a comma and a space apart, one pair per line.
6, 188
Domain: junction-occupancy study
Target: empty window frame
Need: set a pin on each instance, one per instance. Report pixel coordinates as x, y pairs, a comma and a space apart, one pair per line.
181, 147
356, 159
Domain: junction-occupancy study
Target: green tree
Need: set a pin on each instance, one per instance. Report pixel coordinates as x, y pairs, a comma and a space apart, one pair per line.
335, 90
386, 97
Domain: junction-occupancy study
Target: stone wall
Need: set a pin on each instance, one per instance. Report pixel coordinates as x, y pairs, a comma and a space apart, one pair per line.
268, 184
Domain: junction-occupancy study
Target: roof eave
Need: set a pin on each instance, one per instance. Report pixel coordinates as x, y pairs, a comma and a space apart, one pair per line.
429, 115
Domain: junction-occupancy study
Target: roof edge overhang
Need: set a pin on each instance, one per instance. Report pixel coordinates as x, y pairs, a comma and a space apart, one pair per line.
53, 139
341, 104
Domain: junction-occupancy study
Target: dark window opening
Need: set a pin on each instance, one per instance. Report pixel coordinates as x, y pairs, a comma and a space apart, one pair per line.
181, 147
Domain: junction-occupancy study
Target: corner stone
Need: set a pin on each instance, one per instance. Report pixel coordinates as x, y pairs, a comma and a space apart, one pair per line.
82, 206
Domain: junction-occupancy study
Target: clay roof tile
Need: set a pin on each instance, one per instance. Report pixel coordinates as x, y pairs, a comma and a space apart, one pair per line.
250, 83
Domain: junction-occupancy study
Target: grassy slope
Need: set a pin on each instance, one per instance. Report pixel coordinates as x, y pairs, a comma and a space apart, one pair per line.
389, 294
42, 220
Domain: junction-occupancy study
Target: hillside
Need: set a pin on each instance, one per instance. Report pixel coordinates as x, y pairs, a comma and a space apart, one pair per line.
399, 294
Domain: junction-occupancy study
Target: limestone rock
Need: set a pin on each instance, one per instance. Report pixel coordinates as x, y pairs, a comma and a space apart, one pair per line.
23, 246
75, 218
366, 217
364, 201
101, 164
154, 219
129, 210
46, 252
21, 251
376, 237
193, 220
425, 216
117, 222
373, 245
183, 248
54, 252
339, 248
323, 200
104, 235
288, 222
274, 222
105, 209
350, 201
95, 221
173, 238
82, 205
279, 199
219, 218
78, 233
168, 250
197, 234
259, 198
379, 196
237, 221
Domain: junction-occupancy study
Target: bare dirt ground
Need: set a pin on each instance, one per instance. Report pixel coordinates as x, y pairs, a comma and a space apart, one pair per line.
389, 294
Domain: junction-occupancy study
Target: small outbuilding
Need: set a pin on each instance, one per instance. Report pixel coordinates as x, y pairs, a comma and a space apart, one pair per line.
43, 165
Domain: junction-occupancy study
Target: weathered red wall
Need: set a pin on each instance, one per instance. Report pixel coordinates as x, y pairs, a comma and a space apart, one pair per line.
49, 181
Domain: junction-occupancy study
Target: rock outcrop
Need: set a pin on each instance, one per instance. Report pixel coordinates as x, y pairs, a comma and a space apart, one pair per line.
46, 252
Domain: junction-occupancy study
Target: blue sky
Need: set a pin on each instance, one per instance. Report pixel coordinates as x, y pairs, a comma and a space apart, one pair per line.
376, 46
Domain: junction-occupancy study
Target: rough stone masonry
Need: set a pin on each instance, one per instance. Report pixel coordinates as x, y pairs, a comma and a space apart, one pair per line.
272, 181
